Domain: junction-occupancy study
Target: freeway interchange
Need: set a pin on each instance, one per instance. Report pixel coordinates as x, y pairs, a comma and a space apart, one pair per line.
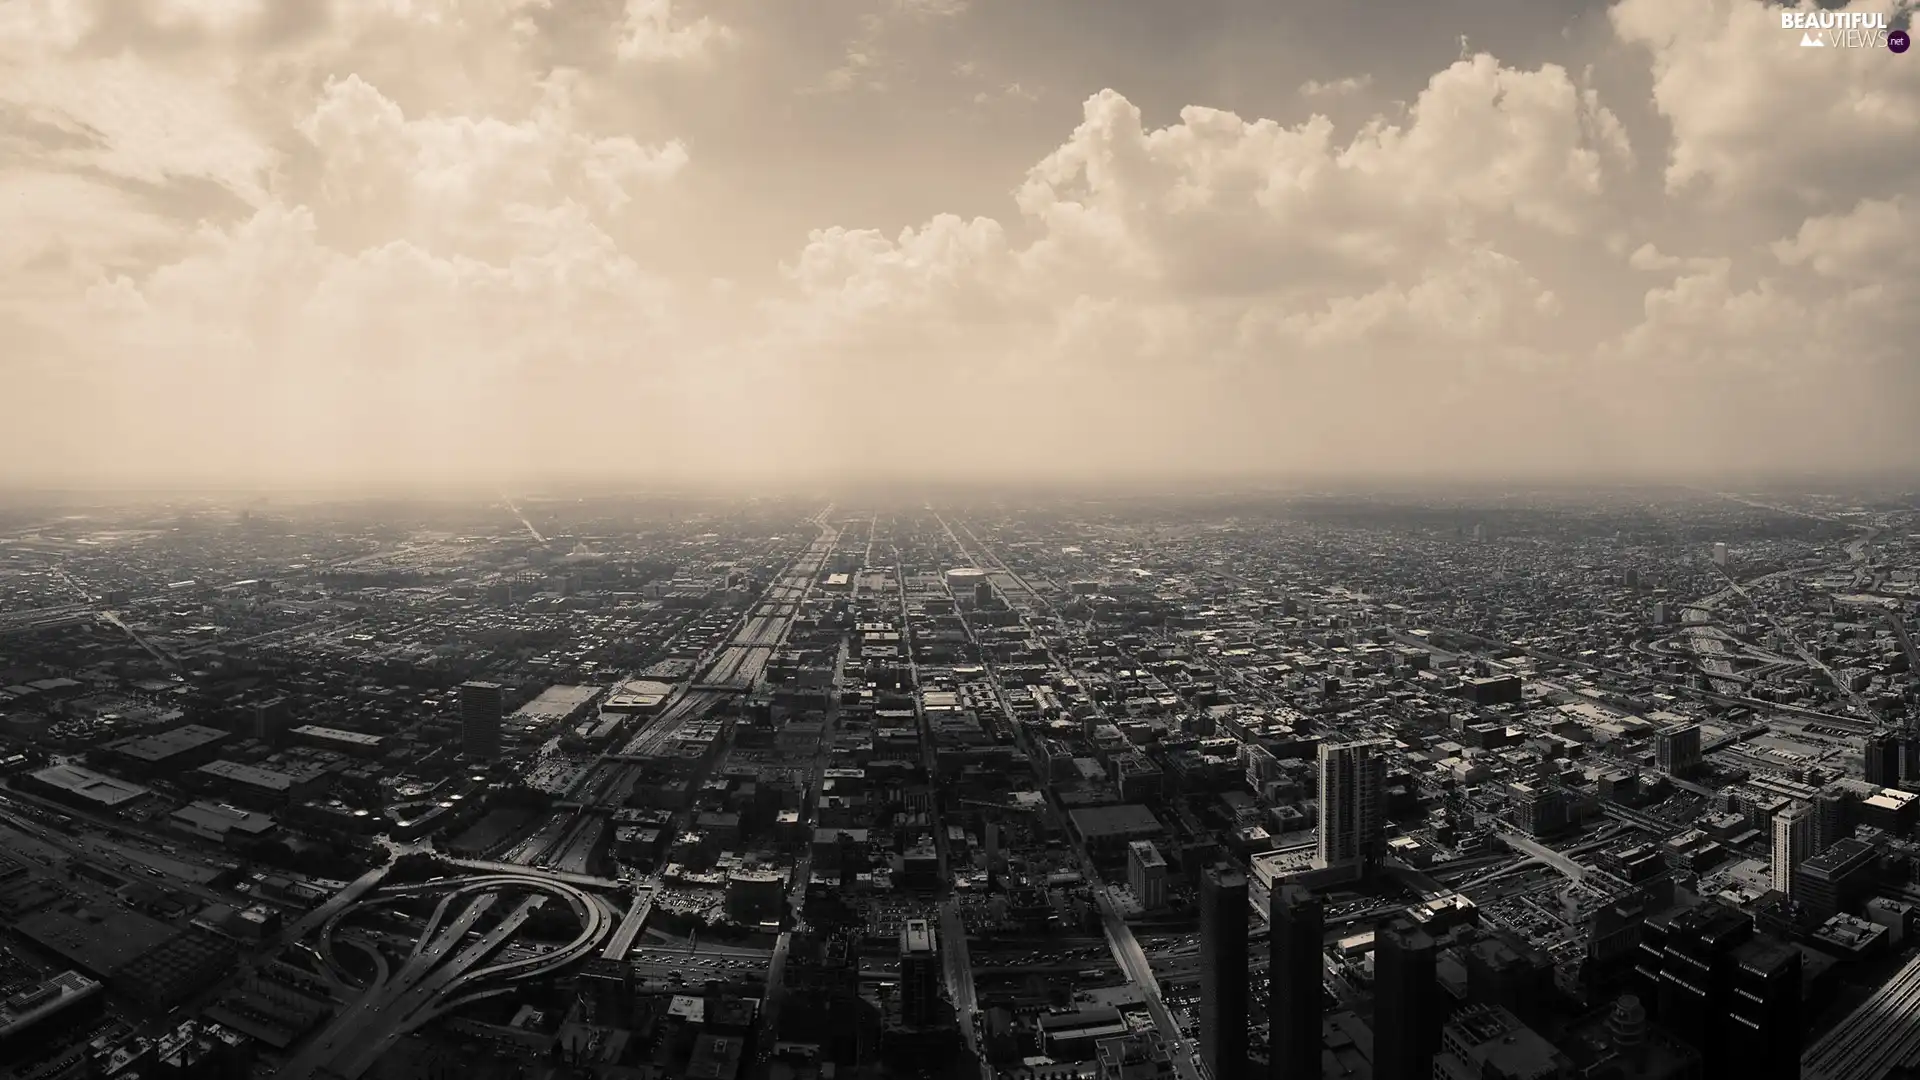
447, 967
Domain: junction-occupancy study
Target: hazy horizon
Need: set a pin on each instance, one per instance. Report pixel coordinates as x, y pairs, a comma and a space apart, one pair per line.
504, 243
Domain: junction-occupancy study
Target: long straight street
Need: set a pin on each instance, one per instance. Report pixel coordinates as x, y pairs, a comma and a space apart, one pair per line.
1126, 949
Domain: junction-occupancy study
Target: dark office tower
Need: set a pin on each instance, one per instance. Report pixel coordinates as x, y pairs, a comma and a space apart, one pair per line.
1883, 759
1761, 1021
1296, 969
1406, 1002
1223, 972
481, 707
1732, 994
919, 974
1910, 755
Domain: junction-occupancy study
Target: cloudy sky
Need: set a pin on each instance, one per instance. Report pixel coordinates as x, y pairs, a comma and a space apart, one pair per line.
274, 240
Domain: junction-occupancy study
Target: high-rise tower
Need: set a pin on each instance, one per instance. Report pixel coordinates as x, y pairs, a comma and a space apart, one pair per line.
1353, 785
482, 705
1296, 972
1223, 972
1794, 839
1406, 1002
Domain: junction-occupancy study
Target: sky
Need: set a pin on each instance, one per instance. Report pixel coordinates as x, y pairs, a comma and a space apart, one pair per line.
264, 241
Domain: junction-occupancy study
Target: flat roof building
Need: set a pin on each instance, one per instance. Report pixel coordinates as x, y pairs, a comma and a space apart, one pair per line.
351, 743
32, 1007
223, 822
178, 750
73, 784
1111, 828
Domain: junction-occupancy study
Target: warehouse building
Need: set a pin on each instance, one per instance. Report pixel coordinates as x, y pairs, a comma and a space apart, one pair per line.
168, 753
351, 743
83, 788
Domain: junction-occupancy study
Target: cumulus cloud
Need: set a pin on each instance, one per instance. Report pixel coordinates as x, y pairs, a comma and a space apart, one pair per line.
328, 251
651, 32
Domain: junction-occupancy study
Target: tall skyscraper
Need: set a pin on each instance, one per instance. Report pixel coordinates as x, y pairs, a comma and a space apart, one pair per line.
1353, 786
1296, 972
1883, 759
482, 705
1223, 972
1795, 834
1406, 1002
919, 974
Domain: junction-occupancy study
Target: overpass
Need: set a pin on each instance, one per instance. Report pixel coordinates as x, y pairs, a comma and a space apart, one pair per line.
440, 973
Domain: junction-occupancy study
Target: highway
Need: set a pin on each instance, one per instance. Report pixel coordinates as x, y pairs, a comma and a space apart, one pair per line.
427, 981
636, 919
334, 905
350, 1026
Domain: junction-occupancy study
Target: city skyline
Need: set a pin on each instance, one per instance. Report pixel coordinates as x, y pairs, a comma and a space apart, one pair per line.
263, 244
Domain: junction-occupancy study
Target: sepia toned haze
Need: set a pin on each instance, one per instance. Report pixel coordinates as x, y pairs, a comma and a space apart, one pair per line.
262, 241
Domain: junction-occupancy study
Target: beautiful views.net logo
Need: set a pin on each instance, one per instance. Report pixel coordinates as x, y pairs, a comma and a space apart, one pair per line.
1846, 30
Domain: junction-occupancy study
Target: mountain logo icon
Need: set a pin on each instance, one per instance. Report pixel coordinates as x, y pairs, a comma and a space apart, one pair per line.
1808, 41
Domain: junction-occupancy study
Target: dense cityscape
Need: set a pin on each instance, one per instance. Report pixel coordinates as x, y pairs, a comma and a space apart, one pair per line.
1427, 783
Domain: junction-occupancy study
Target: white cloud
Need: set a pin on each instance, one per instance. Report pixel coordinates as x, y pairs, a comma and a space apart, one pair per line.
472, 268
650, 33
1755, 115
1334, 88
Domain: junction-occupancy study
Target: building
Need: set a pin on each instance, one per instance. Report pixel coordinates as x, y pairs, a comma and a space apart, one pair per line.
165, 754
822, 996
1147, 874
1107, 830
919, 974
1486, 1042
1720, 556
202, 1051
1494, 690
1794, 836
1676, 750
267, 721
85, 788
223, 824
1406, 1002
1353, 785
755, 897
1223, 972
351, 743
1732, 995
1538, 809
1762, 1012
1882, 755
637, 697
482, 707
1835, 880
1134, 1057
253, 786
1296, 990
38, 1015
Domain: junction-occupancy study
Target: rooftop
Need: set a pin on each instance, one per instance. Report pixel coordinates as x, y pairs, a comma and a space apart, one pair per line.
314, 731
166, 744
90, 785
1123, 819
